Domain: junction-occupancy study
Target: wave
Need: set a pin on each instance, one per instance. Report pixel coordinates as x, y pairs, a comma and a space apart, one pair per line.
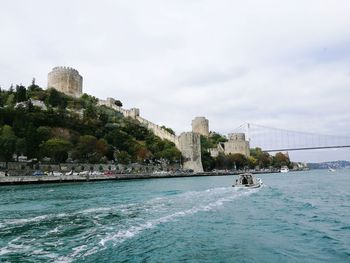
123, 235
136, 218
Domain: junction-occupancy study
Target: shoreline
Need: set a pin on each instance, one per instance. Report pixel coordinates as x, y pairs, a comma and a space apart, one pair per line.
20, 180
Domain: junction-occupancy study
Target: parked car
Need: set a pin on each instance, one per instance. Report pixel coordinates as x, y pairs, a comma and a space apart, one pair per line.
39, 173
108, 173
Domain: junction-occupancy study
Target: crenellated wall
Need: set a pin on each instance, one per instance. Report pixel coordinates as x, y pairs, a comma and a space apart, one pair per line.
188, 143
159, 131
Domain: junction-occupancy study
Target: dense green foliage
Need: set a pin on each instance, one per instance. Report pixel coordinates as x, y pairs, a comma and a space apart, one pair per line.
76, 129
209, 163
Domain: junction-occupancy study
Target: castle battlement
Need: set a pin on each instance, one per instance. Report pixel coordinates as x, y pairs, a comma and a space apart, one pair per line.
66, 80
64, 69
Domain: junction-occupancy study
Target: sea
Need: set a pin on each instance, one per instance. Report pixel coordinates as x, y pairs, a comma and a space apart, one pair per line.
294, 217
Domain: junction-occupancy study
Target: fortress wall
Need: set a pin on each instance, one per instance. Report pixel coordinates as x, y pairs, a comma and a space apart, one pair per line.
135, 114
110, 104
159, 131
188, 143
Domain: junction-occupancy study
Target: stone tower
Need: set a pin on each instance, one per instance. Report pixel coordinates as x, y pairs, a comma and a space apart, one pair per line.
190, 147
237, 144
200, 125
66, 80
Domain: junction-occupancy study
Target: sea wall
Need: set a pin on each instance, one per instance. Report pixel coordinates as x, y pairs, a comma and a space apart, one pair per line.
27, 169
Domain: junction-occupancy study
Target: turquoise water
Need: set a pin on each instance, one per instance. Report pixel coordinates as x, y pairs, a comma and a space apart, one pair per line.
295, 217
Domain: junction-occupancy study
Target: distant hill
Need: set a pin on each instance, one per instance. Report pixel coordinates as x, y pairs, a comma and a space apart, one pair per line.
326, 165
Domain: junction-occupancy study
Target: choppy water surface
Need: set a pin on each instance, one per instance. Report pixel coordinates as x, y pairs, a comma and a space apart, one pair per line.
295, 217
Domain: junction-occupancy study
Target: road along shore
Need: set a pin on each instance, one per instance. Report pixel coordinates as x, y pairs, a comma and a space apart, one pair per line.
16, 180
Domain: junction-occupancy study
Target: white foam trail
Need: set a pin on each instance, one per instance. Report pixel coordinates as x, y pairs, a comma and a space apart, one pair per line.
123, 235
157, 202
24, 221
27, 220
12, 247
196, 201
95, 210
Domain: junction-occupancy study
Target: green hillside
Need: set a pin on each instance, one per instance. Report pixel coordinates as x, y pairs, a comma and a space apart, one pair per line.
64, 128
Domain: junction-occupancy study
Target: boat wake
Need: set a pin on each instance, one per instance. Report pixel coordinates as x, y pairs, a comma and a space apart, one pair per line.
208, 195
96, 229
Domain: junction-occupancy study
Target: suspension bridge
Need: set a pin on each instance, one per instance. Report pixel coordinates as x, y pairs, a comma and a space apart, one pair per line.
278, 140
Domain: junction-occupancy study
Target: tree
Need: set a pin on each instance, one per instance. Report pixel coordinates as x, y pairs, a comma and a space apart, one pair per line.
123, 157
143, 153
170, 130
264, 159
7, 143
252, 162
57, 99
10, 102
220, 161
208, 162
281, 159
90, 112
1, 99
89, 148
118, 103
21, 146
21, 93
238, 160
43, 133
57, 149
215, 138
33, 140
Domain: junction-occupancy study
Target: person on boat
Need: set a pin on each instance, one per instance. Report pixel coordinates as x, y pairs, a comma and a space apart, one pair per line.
244, 180
250, 179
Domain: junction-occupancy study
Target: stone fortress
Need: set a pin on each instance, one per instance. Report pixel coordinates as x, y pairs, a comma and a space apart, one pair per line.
236, 141
66, 80
70, 82
236, 144
187, 142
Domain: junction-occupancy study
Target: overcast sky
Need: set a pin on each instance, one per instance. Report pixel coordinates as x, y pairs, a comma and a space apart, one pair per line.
284, 64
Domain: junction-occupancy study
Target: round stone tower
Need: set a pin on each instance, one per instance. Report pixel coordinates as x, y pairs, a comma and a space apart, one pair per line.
66, 80
200, 125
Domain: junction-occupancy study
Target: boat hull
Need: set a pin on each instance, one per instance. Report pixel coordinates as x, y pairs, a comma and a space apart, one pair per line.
247, 186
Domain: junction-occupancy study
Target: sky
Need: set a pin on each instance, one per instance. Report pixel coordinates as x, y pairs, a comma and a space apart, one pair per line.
283, 64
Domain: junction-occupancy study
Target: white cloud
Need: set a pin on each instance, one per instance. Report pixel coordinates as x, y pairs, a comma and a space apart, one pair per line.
279, 63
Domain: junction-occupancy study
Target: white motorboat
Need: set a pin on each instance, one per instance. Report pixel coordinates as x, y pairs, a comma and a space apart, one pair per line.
247, 180
284, 169
330, 169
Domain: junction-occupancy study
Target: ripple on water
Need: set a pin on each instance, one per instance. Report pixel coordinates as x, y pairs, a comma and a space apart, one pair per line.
192, 218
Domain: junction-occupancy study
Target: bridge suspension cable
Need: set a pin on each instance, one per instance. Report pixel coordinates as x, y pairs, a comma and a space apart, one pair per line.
274, 139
